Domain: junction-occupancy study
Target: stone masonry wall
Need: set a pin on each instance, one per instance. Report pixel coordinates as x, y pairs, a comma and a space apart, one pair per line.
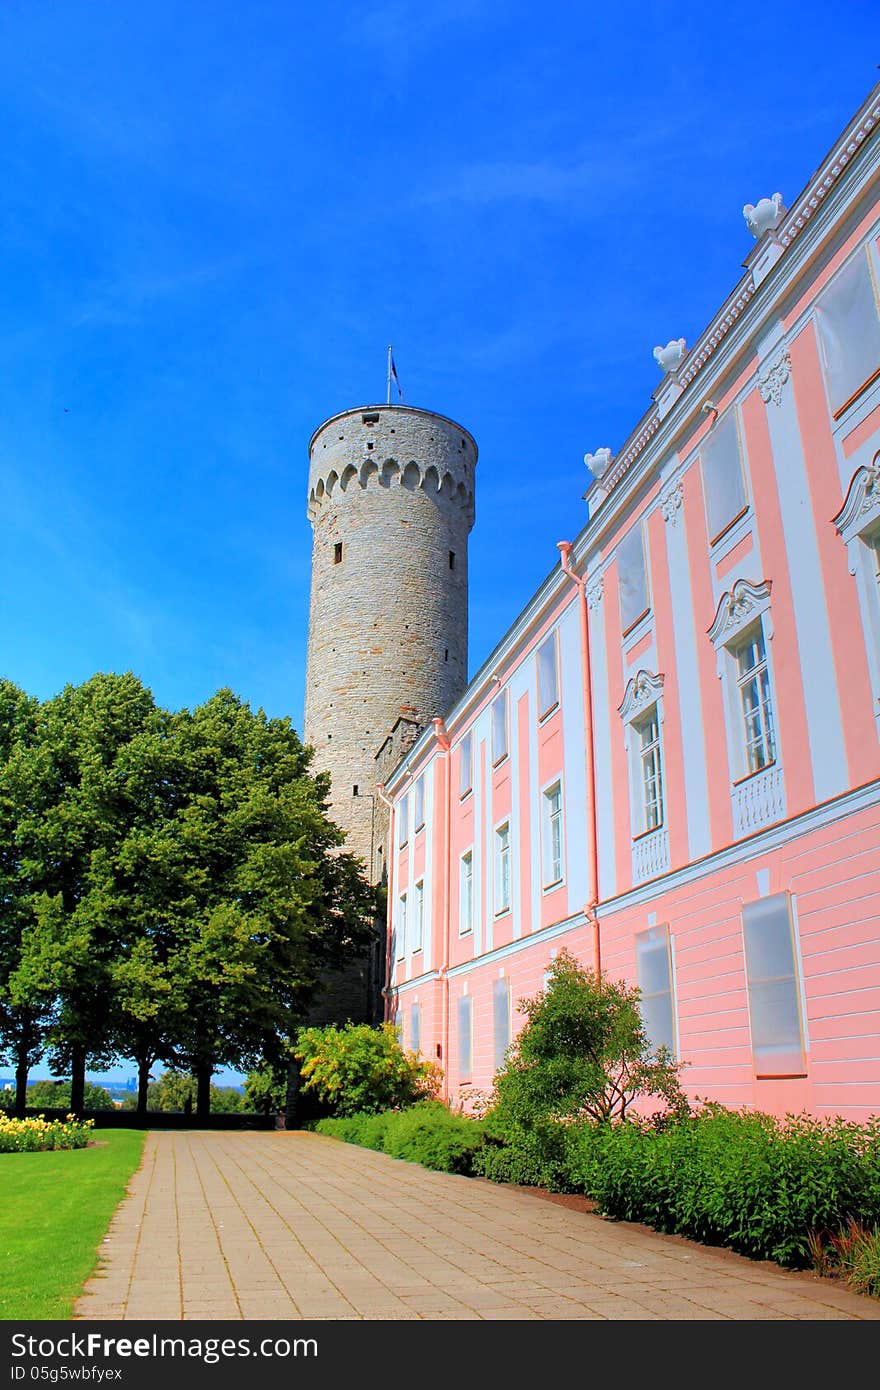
391, 501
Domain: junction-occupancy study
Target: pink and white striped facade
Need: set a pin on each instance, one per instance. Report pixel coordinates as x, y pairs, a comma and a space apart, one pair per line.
670, 764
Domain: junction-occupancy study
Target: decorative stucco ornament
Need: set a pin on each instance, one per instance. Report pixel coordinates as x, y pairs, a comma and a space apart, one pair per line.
764, 216
670, 357
599, 463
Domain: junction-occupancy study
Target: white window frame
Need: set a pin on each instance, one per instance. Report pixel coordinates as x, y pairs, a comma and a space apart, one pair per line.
466, 893
465, 1063
627, 628
415, 1028
403, 820
718, 538
500, 722
499, 985
503, 881
642, 699
548, 865
653, 937
401, 927
551, 645
419, 917
419, 804
758, 794
794, 1053
757, 720
466, 764
837, 411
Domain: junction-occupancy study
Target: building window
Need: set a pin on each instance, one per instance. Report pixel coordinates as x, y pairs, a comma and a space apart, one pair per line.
419, 916
465, 765
649, 769
419, 804
337, 553
403, 814
849, 331
723, 481
548, 679
452, 559
739, 633
401, 927
466, 894
654, 966
632, 579
774, 986
501, 1020
502, 868
499, 728
755, 699
552, 834
465, 1041
642, 713
398, 1025
415, 1029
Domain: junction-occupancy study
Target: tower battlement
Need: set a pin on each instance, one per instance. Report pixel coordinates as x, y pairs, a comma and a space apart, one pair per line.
391, 447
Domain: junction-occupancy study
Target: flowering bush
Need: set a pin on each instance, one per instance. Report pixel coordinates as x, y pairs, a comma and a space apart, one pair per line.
34, 1136
361, 1070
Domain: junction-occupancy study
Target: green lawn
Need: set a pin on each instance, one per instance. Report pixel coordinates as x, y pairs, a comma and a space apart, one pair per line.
54, 1211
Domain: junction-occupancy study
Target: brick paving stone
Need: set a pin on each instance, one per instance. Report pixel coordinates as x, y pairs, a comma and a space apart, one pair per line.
275, 1226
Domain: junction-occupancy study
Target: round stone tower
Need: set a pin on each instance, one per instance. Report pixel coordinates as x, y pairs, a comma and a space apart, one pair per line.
391, 502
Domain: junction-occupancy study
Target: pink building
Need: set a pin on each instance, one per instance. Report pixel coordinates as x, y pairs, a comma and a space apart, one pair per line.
670, 763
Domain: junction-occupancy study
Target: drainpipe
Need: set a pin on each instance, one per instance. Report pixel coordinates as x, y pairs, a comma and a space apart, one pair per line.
591, 907
389, 907
443, 742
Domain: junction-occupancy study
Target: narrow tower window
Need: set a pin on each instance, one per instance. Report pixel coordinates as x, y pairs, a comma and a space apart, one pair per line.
337, 553
452, 559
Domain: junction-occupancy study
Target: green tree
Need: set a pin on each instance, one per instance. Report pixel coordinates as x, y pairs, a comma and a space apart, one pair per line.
266, 1088
26, 1014
55, 1095
582, 1054
270, 898
73, 811
359, 1069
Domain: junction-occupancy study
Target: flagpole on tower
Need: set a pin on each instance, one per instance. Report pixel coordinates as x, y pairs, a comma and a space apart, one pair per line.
389, 375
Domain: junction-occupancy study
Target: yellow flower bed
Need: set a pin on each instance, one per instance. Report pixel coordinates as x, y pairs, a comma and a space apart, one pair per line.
32, 1136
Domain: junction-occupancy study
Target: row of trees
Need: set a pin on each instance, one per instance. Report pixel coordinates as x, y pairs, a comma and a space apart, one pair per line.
171, 888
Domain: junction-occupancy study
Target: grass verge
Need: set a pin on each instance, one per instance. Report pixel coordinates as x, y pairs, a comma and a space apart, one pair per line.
55, 1211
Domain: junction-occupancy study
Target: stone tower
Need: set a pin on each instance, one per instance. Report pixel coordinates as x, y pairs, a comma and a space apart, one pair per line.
391, 502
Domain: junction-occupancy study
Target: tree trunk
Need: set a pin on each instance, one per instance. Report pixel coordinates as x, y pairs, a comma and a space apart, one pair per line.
22, 1067
203, 1090
143, 1083
291, 1104
77, 1079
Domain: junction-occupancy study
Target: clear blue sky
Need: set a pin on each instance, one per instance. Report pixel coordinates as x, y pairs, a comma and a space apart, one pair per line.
215, 217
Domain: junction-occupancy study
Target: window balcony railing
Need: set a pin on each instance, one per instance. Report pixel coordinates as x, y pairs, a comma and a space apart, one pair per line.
650, 854
758, 800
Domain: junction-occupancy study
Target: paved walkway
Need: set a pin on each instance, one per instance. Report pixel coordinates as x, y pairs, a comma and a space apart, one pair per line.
280, 1226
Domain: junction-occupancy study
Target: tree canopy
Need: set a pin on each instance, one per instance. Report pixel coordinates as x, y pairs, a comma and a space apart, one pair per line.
171, 887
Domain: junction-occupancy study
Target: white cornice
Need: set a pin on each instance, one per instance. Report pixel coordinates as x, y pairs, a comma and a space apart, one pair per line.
737, 608
642, 689
862, 504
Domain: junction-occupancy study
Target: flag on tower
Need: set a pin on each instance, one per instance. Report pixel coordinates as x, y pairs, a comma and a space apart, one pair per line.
392, 375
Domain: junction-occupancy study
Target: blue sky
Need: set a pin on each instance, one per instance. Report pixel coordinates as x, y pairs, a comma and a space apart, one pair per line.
215, 216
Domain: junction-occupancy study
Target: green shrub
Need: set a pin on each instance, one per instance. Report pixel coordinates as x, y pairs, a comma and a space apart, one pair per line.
366, 1130
426, 1133
359, 1069
742, 1179
431, 1135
